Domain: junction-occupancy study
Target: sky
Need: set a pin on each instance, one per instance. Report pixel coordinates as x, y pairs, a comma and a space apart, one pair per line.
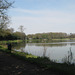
42, 16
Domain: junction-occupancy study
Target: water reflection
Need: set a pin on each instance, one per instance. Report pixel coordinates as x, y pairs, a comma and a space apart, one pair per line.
51, 44
19, 46
59, 52
61, 44
69, 58
44, 49
72, 43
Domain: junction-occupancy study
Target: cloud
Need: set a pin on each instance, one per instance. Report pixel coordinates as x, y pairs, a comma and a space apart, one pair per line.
26, 11
46, 12
47, 20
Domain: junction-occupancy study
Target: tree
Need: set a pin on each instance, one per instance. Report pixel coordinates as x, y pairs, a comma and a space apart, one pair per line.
4, 6
21, 28
11, 30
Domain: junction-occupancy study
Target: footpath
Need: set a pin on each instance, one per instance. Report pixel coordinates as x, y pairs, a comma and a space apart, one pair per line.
10, 65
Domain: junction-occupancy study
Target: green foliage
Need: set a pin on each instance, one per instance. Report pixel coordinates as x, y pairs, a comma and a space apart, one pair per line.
9, 35
0, 46
19, 35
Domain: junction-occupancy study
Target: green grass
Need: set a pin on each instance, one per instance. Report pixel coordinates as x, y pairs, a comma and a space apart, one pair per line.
45, 63
65, 39
62, 39
10, 41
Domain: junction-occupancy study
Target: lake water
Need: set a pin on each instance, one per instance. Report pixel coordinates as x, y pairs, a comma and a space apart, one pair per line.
59, 51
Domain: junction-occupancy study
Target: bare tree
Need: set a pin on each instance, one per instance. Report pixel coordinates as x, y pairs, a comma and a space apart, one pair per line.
21, 28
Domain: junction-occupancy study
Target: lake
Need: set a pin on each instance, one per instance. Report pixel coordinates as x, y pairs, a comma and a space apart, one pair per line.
59, 51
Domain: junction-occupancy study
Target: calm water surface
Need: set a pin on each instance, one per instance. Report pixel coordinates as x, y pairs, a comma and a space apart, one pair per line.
59, 51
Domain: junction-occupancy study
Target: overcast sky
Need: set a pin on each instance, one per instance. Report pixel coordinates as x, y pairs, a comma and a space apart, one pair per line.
39, 16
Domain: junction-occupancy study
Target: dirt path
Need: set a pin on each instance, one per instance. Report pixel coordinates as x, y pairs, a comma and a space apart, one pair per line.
10, 65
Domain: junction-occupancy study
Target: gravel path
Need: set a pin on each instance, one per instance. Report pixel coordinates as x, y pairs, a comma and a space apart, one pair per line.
10, 65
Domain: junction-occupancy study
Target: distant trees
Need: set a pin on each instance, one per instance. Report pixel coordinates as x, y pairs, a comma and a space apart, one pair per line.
71, 35
46, 37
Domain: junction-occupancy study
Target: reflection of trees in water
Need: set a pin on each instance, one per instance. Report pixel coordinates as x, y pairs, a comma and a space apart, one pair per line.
45, 48
69, 58
51, 45
38, 40
19, 46
72, 43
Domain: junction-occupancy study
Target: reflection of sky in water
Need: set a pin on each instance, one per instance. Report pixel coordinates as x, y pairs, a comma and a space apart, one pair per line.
54, 51
38, 51
57, 53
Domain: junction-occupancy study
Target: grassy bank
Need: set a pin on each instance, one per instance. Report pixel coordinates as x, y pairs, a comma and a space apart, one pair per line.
45, 63
10, 41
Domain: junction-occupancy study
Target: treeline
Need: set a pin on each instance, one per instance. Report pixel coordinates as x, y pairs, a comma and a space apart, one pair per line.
9, 34
49, 36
